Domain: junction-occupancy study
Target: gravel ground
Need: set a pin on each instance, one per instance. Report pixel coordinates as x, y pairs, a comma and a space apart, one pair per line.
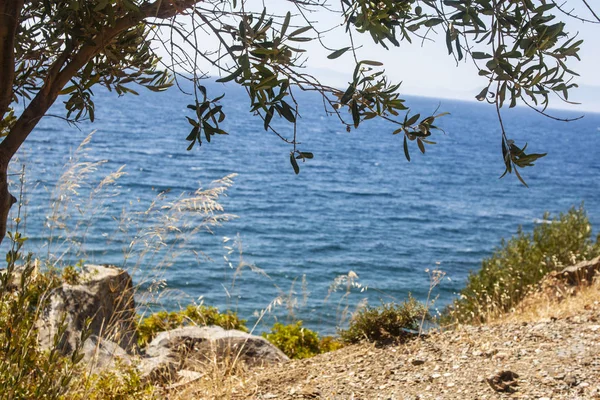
552, 358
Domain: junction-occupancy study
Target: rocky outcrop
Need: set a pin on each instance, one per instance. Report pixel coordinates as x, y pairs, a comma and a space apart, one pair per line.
200, 344
192, 347
559, 285
103, 296
161, 369
101, 299
581, 273
101, 354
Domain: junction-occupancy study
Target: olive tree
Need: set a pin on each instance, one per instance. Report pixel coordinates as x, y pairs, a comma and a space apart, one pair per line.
51, 49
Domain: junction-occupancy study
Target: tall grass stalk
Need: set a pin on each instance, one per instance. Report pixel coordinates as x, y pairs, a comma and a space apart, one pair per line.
76, 204
436, 276
345, 284
152, 238
27, 372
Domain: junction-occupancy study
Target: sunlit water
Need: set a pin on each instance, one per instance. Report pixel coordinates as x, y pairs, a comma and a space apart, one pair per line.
358, 206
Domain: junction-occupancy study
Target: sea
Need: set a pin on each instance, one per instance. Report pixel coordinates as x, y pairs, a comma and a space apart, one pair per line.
359, 224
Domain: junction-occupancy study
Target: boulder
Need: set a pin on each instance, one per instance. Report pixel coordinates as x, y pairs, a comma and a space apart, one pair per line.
194, 345
100, 354
104, 294
161, 369
504, 381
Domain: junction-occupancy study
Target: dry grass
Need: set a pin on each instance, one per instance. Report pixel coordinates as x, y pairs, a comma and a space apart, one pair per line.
152, 237
555, 358
542, 305
343, 286
77, 203
219, 380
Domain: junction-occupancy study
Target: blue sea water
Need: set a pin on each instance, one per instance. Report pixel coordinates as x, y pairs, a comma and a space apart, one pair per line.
358, 206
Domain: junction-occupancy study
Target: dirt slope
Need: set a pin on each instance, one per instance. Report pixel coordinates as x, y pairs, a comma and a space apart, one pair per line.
552, 353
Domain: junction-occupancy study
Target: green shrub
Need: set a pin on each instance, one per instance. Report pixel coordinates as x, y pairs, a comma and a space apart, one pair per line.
71, 275
200, 315
388, 322
330, 343
297, 341
520, 263
121, 383
25, 371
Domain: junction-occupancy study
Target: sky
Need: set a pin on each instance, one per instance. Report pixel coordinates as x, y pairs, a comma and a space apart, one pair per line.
425, 68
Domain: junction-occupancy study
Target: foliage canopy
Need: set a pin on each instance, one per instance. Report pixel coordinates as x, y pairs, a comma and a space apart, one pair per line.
66, 48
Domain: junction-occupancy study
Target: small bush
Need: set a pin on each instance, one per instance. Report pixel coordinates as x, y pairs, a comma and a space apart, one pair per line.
200, 315
388, 322
294, 340
330, 343
518, 264
297, 341
71, 275
123, 383
26, 372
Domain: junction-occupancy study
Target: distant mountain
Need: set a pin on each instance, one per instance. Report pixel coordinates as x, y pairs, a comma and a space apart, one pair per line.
587, 95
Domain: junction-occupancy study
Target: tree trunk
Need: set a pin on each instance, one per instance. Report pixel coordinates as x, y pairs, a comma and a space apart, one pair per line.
6, 199
58, 76
10, 11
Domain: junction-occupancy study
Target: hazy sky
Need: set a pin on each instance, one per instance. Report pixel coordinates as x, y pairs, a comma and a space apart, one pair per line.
425, 68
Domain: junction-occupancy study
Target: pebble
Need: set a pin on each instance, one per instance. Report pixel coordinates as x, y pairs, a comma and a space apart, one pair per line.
556, 363
571, 380
594, 328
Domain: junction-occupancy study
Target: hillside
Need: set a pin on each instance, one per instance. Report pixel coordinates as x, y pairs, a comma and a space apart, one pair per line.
550, 348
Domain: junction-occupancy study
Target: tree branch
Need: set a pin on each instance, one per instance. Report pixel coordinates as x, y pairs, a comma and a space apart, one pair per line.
55, 81
591, 10
572, 14
163, 9
10, 10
